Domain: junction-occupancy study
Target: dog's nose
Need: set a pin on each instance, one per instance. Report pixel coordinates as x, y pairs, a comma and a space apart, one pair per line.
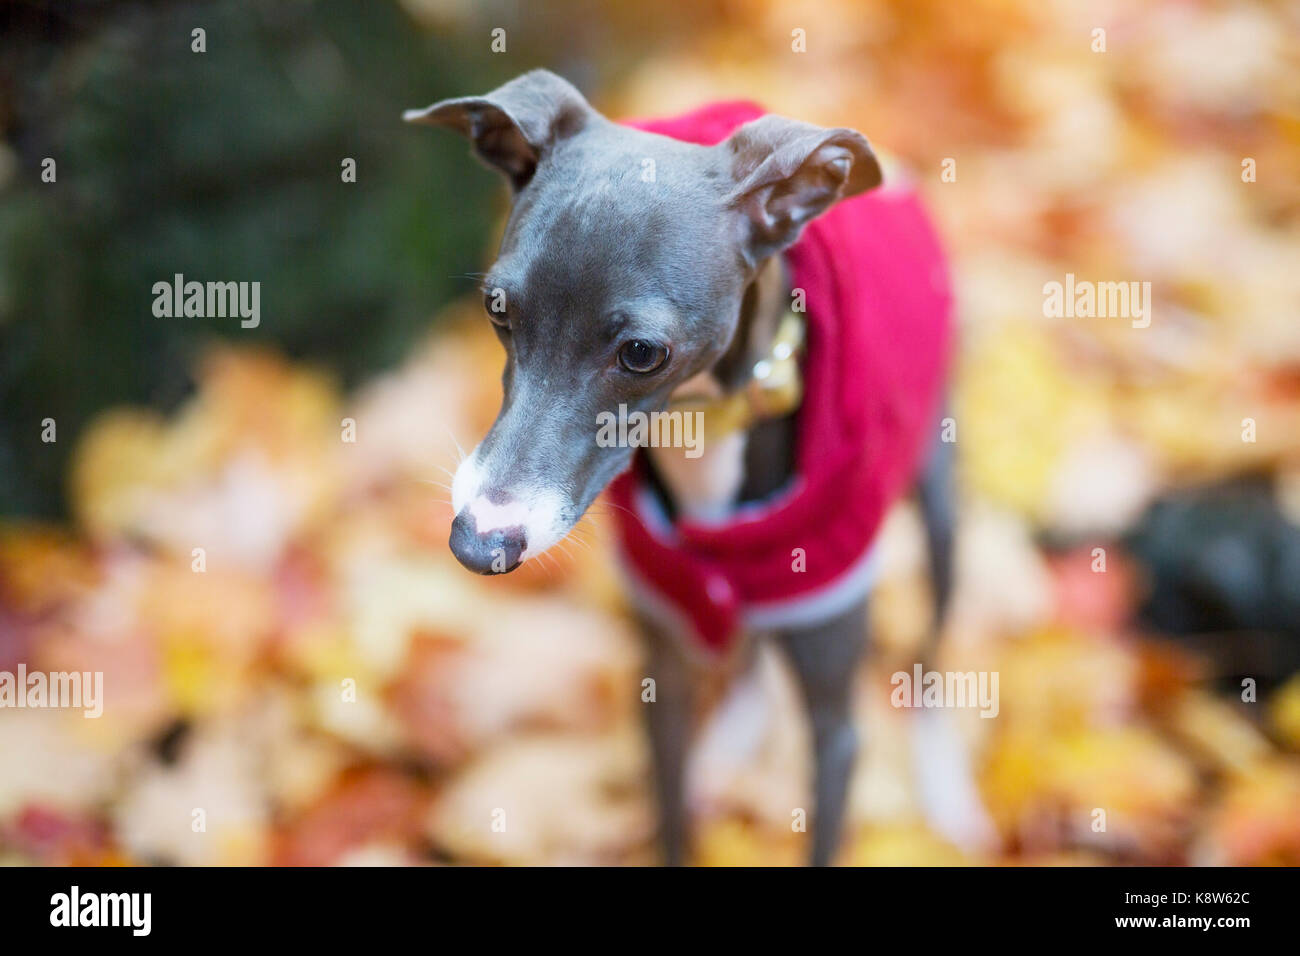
494, 552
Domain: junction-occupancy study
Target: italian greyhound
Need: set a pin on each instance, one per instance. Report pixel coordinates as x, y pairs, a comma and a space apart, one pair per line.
605, 298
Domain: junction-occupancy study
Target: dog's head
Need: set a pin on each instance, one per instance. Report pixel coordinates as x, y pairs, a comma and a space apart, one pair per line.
620, 276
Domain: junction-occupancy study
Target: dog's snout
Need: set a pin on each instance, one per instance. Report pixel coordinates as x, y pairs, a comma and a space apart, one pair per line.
500, 524
494, 551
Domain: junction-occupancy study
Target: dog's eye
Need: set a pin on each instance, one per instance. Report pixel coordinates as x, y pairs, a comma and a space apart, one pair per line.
494, 303
640, 356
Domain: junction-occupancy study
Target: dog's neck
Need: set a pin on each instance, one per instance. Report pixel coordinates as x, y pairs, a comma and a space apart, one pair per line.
745, 465
766, 300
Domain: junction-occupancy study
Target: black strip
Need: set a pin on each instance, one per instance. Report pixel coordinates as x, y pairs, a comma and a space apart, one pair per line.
469, 907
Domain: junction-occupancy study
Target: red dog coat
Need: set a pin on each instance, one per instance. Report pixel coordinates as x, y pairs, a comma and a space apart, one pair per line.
877, 343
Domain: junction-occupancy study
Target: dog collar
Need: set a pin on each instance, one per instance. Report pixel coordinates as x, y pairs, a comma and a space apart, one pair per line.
774, 388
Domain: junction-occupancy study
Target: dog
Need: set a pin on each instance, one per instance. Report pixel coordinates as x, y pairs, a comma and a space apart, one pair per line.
696, 267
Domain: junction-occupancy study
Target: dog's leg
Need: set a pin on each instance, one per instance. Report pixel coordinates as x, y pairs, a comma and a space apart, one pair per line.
670, 720
937, 495
946, 786
825, 659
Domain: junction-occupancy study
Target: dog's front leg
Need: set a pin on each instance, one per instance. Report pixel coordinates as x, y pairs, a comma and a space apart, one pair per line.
670, 721
825, 658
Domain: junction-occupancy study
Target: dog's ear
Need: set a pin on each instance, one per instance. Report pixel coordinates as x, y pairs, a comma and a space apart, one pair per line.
512, 126
787, 173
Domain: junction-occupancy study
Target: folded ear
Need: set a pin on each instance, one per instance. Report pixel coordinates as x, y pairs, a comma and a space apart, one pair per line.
787, 173
512, 126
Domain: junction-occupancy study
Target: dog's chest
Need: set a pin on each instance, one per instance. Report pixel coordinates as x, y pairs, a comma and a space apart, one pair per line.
704, 488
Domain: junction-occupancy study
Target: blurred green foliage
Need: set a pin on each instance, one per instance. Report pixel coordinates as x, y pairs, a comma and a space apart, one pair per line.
223, 165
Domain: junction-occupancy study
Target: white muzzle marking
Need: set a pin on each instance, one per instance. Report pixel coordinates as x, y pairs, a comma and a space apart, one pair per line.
538, 511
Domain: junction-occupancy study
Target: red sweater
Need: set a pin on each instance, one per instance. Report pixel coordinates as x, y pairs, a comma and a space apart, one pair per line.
878, 338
